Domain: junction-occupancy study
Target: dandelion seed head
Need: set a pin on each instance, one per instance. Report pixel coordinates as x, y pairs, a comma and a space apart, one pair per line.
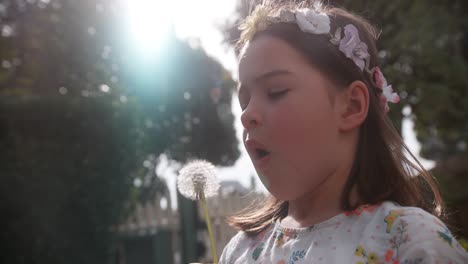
197, 177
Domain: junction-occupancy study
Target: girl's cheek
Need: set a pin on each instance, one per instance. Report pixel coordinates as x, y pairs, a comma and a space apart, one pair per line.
285, 125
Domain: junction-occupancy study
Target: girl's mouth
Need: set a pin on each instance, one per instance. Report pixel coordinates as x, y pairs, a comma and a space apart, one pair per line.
261, 153
258, 152
262, 157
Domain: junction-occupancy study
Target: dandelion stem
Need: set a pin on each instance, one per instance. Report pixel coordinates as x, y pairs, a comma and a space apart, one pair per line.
208, 225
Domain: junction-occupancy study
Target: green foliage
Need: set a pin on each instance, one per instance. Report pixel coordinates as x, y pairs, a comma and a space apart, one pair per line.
77, 123
64, 178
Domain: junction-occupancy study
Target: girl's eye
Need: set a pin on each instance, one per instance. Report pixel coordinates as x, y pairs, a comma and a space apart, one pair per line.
243, 104
243, 101
277, 94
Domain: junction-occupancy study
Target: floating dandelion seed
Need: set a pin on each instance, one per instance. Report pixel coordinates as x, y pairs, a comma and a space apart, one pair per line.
196, 181
198, 177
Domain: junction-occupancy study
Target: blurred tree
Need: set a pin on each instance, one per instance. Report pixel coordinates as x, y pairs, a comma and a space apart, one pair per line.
424, 52
75, 126
64, 178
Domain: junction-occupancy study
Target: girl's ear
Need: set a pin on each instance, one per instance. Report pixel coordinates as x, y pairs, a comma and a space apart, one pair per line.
353, 106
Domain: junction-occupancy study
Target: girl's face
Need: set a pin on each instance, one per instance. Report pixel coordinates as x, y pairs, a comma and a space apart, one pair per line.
290, 121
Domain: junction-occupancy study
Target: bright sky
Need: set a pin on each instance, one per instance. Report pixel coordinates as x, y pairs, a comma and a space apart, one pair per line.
201, 20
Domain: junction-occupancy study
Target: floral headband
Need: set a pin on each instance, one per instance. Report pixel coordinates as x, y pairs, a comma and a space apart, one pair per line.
318, 23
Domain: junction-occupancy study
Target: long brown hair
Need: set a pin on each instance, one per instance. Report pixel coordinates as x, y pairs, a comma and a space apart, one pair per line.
381, 171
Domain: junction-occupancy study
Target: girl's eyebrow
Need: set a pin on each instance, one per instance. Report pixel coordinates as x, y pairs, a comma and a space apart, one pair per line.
265, 76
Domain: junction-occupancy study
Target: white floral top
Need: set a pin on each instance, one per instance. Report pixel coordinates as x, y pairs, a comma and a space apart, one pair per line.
385, 233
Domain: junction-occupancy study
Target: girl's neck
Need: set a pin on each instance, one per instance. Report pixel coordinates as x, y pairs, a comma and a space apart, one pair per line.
320, 204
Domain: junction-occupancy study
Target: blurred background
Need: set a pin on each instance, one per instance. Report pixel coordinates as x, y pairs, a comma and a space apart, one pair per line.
103, 101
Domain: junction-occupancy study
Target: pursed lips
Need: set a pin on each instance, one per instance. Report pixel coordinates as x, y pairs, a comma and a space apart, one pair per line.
258, 152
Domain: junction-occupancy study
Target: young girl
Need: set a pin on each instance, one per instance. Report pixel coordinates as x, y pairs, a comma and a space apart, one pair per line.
314, 111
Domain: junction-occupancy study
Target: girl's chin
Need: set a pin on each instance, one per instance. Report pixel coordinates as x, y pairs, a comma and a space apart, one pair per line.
272, 188
283, 192
282, 196
264, 179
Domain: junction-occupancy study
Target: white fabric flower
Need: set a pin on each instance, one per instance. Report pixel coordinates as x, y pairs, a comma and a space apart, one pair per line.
287, 16
311, 21
198, 177
390, 95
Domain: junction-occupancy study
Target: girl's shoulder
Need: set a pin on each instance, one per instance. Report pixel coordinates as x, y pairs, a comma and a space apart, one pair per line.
395, 217
241, 243
407, 234
240, 237
390, 212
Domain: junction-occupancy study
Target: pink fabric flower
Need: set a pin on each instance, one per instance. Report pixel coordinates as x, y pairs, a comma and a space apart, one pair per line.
378, 77
387, 91
353, 47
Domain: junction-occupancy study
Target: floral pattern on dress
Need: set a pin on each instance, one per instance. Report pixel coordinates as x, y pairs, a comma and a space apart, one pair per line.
258, 245
258, 251
446, 237
296, 255
363, 208
283, 236
366, 258
401, 237
391, 218
388, 234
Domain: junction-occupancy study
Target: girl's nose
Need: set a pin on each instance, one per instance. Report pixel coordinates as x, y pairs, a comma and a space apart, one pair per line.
251, 117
